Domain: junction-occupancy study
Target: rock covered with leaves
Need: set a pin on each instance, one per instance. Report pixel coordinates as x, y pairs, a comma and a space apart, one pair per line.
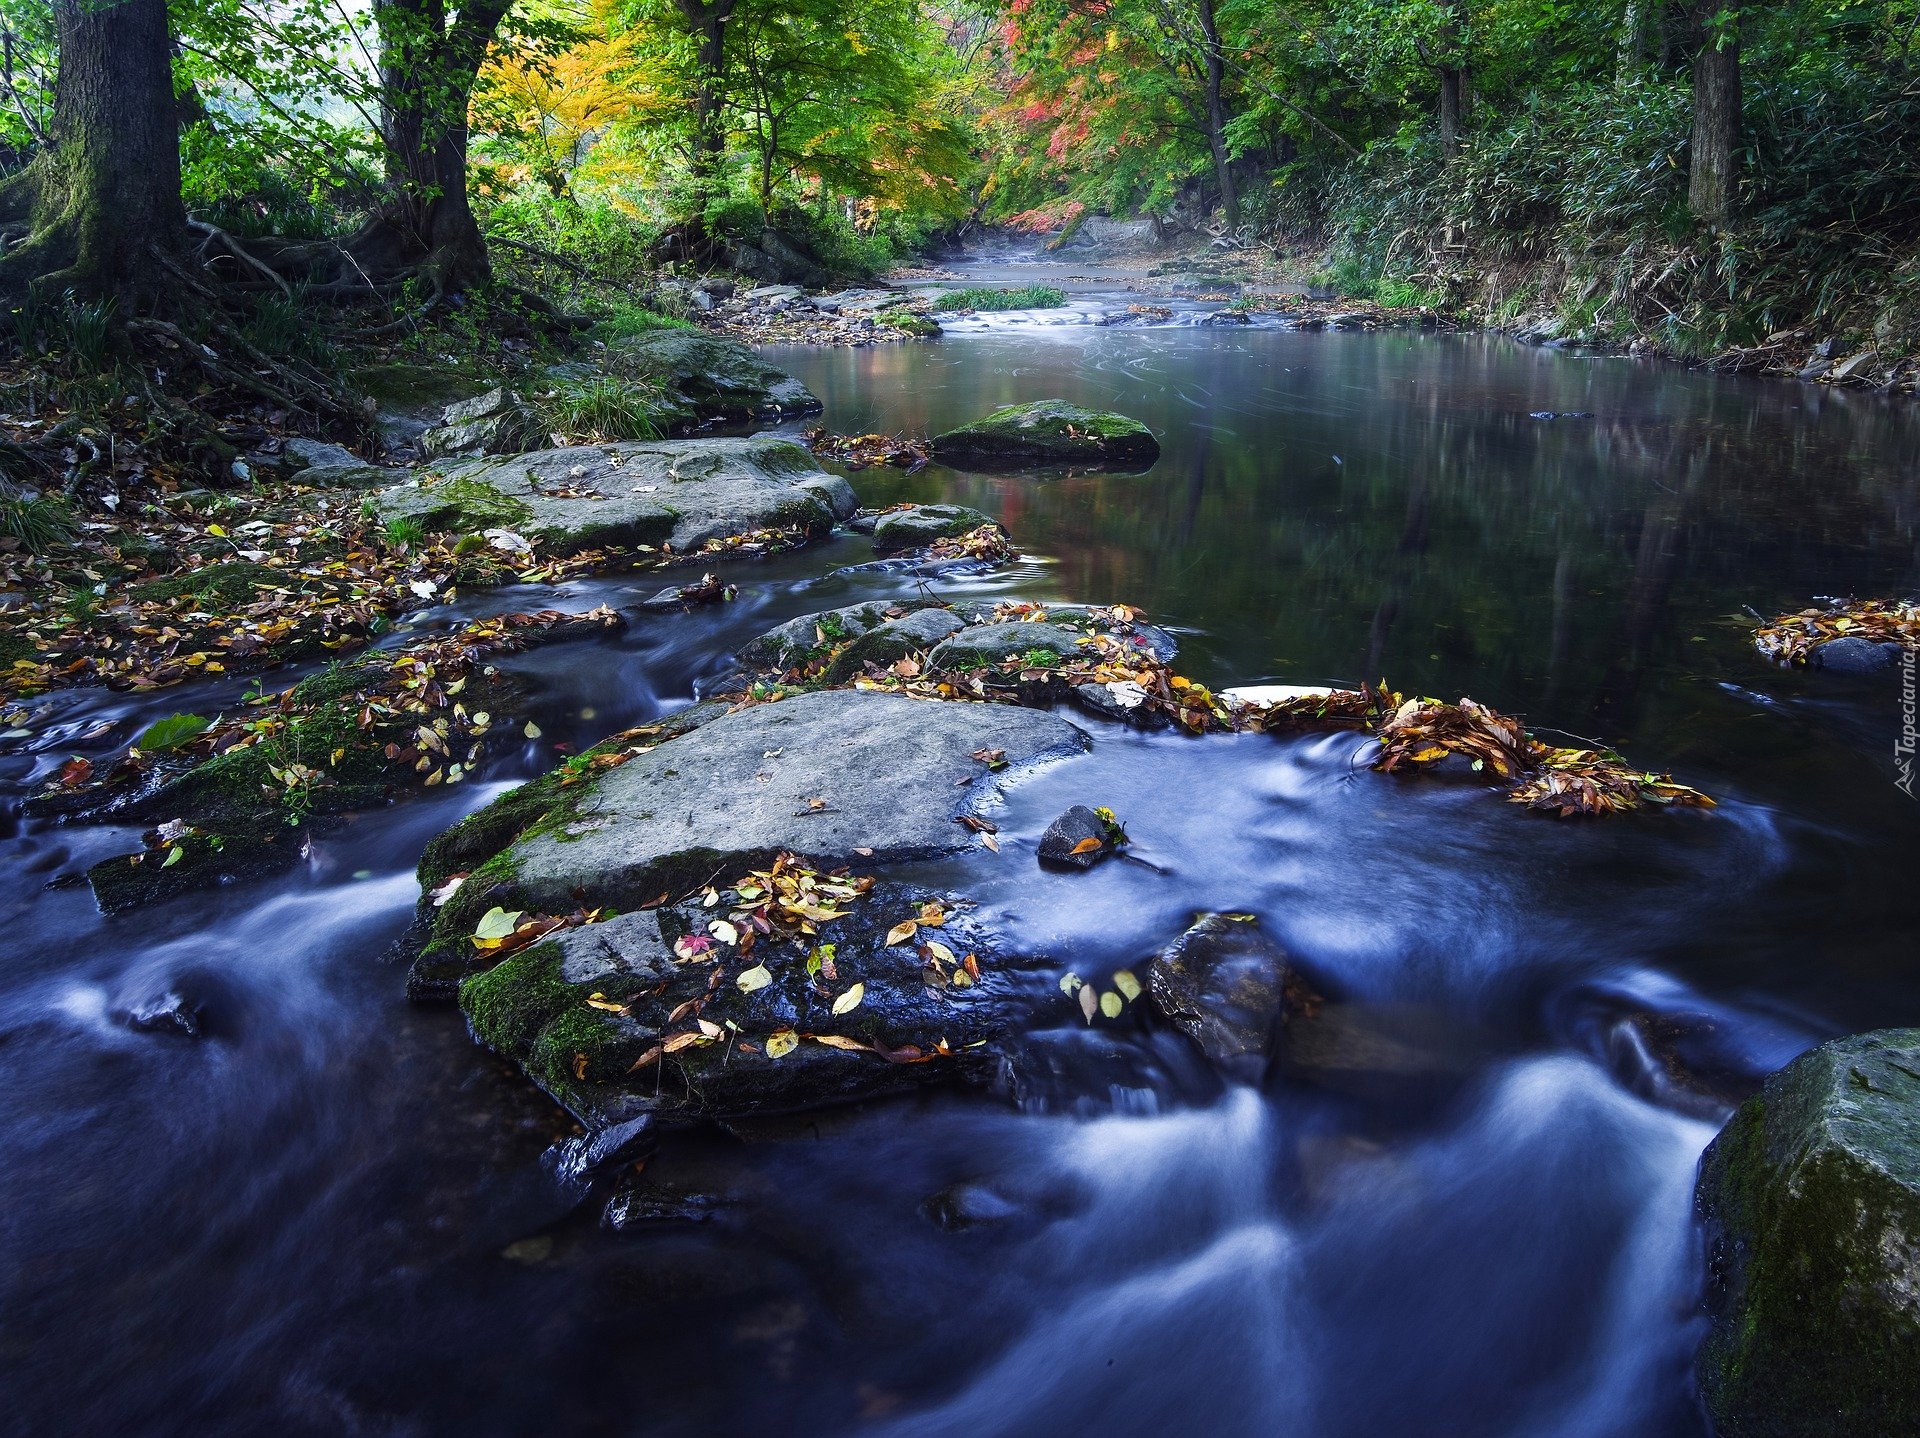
1048, 433
836, 777
1861, 637
1811, 1200
776, 989
678, 495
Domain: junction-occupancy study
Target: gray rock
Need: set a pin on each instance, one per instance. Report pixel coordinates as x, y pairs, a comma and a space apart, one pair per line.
835, 493
822, 775
1854, 655
887, 643
703, 377
351, 476
1228, 317
922, 524
1811, 1202
677, 492
497, 422
1048, 432
1122, 700
1223, 983
1061, 844
981, 646
299, 454
799, 640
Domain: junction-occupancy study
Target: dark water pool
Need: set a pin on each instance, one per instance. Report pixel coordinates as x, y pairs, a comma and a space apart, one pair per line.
1469, 1216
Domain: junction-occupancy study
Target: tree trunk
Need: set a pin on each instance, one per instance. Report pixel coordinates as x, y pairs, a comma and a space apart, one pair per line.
707, 22
1716, 125
1633, 42
1452, 106
1216, 72
427, 71
107, 207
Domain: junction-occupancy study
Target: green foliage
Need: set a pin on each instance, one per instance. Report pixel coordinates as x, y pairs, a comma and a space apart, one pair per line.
601, 411
39, 524
404, 530
165, 735
1026, 297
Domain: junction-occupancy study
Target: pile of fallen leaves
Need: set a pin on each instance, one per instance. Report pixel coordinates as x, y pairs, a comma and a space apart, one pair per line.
1790, 638
988, 542
869, 451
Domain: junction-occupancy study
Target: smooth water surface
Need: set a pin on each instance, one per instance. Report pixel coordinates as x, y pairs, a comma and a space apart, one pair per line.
1466, 1212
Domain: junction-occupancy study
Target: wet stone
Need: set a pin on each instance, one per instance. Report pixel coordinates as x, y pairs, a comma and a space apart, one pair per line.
1067, 837
1811, 1202
1224, 983
1852, 655
1048, 432
922, 524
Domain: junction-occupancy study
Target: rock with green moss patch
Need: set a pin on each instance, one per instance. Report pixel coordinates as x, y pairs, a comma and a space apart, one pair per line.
497, 422
578, 1011
706, 377
982, 645
198, 860
1811, 1201
910, 322
919, 525
836, 777
1047, 433
681, 493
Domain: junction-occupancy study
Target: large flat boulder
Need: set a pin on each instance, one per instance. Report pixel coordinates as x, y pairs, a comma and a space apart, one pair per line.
836, 777
1047, 433
1811, 1200
706, 377
670, 492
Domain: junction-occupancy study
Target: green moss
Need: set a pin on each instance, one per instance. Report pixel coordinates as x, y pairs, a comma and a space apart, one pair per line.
908, 322
230, 585
477, 505
509, 1004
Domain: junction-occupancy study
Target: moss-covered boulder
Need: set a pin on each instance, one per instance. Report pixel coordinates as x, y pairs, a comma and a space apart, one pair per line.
1047, 433
835, 777
591, 1014
704, 377
917, 525
682, 493
1811, 1201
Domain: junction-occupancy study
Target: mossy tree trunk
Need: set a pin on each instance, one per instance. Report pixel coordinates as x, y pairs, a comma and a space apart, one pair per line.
429, 62
107, 217
1712, 168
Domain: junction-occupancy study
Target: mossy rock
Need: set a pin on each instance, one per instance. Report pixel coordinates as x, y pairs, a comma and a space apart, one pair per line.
910, 322
206, 860
710, 377
227, 585
578, 1010
920, 525
1811, 1201
1048, 433
415, 389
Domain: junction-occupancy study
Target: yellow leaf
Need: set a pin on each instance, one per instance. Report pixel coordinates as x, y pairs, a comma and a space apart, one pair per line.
1124, 981
900, 933
781, 1044
1111, 1004
754, 978
1430, 753
850, 1000
839, 1041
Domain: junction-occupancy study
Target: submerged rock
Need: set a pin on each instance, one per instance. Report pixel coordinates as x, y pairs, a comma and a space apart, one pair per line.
1811, 1200
1224, 983
1048, 432
681, 493
837, 777
704, 377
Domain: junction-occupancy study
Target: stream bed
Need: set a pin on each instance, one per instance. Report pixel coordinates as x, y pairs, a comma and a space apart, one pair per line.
1468, 1213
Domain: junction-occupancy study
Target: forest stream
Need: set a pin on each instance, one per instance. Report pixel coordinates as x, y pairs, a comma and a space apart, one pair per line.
1467, 1211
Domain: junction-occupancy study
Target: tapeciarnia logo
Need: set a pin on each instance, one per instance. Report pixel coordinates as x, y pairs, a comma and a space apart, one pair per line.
1904, 746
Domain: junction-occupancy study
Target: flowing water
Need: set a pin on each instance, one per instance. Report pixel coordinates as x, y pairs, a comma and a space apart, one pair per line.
1466, 1211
